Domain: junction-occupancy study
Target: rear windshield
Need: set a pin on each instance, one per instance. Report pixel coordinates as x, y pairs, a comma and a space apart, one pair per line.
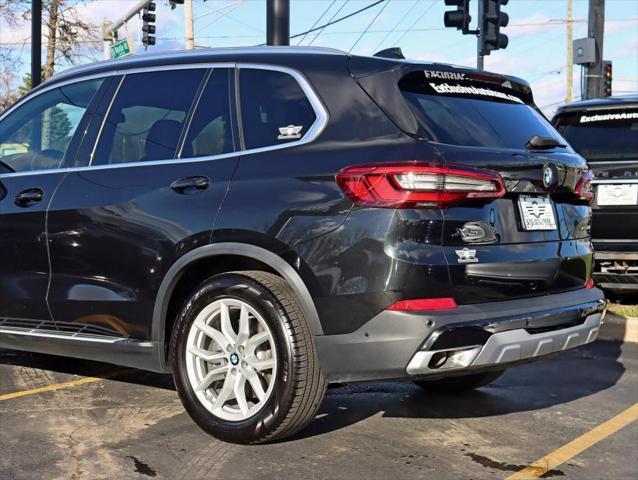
601, 134
472, 113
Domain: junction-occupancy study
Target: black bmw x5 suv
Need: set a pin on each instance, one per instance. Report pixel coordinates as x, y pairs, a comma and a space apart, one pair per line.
262, 222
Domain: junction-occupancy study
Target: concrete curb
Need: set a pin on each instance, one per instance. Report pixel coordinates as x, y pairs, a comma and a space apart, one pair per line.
619, 329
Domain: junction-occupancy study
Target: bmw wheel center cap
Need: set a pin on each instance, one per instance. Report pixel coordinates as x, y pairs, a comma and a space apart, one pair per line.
234, 359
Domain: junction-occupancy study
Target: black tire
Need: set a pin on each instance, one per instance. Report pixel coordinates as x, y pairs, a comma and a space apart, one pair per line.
460, 384
299, 384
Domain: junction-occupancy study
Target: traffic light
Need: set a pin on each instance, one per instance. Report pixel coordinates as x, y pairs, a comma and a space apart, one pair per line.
606, 78
174, 3
459, 18
491, 22
148, 24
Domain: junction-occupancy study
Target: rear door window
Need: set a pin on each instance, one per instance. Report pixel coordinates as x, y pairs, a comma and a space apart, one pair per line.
147, 117
274, 108
469, 112
602, 134
210, 131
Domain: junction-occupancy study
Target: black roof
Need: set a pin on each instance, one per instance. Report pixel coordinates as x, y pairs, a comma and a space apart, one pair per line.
279, 55
600, 104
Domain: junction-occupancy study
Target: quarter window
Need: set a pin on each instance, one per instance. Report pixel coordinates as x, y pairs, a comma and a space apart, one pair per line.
147, 117
37, 134
210, 131
274, 108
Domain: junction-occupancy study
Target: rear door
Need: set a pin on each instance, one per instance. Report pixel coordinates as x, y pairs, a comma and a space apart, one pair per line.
38, 141
148, 193
608, 139
532, 241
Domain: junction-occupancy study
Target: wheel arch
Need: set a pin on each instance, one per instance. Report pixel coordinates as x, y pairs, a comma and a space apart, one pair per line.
247, 251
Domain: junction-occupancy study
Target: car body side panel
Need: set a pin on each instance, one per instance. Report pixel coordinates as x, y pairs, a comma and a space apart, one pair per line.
114, 233
24, 263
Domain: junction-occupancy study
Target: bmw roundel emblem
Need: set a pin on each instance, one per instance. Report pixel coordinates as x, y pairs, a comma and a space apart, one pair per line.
234, 359
549, 176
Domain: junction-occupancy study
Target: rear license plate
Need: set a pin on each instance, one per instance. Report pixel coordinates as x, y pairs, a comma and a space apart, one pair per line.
617, 194
537, 213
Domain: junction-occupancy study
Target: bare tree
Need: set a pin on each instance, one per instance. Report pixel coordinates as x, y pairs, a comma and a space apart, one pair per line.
69, 37
9, 62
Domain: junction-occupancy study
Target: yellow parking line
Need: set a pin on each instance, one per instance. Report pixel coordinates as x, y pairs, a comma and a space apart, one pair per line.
582, 443
58, 386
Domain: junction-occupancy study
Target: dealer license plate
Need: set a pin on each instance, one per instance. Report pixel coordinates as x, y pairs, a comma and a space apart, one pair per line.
617, 194
537, 213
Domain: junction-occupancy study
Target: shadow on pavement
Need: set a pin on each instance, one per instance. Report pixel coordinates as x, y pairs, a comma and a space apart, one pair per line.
563, 378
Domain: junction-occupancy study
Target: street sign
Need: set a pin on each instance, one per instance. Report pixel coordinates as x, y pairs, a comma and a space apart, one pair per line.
120, 49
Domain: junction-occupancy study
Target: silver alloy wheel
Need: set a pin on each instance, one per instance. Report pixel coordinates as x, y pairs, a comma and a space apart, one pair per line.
231, 359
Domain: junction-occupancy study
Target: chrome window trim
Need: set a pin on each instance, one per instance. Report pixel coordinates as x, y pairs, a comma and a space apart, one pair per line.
313, 132
108, 109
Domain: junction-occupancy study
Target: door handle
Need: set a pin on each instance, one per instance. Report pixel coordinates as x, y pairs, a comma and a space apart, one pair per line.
189, 185
29, 197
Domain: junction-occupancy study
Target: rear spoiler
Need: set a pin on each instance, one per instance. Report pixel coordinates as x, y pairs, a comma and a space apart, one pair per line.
379, 77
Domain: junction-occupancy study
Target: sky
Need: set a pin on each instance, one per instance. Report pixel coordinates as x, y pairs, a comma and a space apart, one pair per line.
536, 31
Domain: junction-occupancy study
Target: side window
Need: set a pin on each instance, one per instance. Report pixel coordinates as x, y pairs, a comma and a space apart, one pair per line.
147, 116
274, 108
210, 131
37, 134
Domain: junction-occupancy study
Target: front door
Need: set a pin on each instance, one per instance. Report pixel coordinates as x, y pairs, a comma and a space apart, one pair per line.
149, 193
38, 139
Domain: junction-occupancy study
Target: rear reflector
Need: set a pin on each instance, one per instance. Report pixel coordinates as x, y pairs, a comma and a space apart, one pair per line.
424, 304
417, 184
584, 189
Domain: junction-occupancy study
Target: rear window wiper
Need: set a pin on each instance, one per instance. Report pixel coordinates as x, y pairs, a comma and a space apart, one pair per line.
543, 143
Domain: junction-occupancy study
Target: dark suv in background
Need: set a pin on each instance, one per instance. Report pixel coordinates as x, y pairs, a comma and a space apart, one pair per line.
605, 132
263, 221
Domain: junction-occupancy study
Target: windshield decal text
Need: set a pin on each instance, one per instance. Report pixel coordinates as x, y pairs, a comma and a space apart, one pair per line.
443, 75
609, 117
470, 90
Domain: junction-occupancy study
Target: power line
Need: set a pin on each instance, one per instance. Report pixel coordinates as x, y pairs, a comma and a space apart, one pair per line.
229, 8
395, 26
556, 71
331, 19
336, 21
317, 21
369, 25
416, 21
343, 32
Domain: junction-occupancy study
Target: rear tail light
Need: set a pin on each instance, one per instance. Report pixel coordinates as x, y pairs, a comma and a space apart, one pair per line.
424, 304
590, 283
584, 189
417, 184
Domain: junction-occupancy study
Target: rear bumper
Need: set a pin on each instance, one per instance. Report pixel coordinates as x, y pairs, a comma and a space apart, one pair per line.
402, 345
617, 271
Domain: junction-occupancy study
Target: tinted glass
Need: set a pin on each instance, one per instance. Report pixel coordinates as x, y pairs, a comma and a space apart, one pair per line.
210, 131
602, 134
36, 136
274, 108
470, 113
147, 117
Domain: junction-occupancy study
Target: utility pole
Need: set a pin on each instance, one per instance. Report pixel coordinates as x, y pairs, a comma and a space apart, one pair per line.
189, 37
569, 96
36, 42
277, 22
596, 29
480, 63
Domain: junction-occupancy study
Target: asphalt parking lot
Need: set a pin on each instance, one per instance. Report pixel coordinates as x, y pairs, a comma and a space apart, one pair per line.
70, 419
